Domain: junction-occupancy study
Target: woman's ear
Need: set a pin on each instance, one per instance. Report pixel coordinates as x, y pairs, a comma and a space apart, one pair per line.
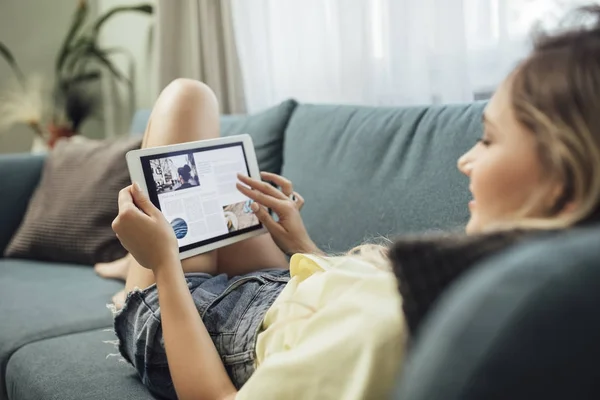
560, 199
568, 208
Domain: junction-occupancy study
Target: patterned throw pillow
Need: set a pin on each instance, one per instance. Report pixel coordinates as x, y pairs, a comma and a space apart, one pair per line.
70, 213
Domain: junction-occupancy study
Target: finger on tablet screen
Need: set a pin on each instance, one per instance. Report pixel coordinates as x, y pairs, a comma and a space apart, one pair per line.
259, 197
263, 187
284, 183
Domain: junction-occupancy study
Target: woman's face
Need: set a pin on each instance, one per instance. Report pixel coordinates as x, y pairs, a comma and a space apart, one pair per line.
504, 167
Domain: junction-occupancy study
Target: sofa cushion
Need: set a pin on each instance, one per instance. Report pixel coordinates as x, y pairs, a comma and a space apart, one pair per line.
19, 175
368, 172
521, 326
42, 300
72, 367
267, 129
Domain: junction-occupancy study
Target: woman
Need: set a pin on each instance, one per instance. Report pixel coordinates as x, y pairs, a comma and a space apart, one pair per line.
185, 174
331, 328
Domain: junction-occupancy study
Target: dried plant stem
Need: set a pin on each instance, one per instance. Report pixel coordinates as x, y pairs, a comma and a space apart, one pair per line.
37, 128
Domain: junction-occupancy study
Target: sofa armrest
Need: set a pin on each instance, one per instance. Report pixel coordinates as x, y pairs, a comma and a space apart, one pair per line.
19, 176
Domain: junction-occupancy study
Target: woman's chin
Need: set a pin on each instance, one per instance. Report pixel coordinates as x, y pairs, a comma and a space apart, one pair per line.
472, 226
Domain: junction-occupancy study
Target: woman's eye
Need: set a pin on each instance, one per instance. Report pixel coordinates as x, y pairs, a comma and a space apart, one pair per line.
484, 141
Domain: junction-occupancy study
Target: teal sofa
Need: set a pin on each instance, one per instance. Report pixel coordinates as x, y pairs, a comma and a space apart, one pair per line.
364, 173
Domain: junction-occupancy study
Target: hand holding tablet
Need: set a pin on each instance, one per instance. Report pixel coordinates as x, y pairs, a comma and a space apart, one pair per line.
194, 186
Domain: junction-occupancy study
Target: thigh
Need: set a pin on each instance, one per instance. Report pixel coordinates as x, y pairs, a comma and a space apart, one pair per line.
185, 111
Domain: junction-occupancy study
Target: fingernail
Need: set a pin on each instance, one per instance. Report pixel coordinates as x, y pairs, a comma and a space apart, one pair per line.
254, 207
136, 187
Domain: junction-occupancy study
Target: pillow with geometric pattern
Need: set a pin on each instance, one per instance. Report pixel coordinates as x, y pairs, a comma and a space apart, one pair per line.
69, 216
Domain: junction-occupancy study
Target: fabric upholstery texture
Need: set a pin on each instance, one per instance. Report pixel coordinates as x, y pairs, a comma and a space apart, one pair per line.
139, 122
40, 300
69, 216
369, 172
266, 129
72, 367
19, 176
521, 326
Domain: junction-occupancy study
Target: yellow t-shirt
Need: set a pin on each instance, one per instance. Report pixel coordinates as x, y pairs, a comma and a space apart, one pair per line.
335, 332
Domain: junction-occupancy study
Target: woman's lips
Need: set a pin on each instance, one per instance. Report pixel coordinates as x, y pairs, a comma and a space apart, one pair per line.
471, 204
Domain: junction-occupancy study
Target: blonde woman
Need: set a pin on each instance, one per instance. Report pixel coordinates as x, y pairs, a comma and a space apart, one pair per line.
332, 327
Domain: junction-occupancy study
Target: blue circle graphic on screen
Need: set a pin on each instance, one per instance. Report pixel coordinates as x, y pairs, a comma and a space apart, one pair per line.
180, 227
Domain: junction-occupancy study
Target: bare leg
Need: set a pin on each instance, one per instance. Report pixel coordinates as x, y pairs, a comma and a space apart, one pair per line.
114, 270
186, 111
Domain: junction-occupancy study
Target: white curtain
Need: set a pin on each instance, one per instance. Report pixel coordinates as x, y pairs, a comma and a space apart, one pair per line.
195, 39
383, 52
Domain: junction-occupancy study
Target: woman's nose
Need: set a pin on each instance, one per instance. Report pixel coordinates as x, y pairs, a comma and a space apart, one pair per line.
465, 164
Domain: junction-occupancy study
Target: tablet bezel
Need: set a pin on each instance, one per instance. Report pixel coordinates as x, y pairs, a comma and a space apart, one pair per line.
136, 173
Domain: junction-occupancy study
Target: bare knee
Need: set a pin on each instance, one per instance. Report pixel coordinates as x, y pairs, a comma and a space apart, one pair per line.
188, 92
186, 110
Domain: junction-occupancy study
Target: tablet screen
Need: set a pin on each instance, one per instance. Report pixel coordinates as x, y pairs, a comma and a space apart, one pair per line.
195, 190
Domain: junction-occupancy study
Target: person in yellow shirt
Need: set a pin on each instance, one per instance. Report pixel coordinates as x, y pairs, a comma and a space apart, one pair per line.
329, 328
333, 328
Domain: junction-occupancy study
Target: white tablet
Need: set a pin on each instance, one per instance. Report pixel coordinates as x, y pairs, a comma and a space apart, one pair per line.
193, 184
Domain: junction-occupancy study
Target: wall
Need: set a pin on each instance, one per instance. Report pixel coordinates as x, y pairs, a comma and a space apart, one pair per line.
34, 30
36, 40
130, 31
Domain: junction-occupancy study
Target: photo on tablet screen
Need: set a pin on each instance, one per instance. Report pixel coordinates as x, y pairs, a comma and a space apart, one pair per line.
174, 173
239, 216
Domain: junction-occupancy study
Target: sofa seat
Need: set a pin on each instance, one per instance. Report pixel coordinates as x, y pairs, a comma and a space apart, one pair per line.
72, 367
42, 300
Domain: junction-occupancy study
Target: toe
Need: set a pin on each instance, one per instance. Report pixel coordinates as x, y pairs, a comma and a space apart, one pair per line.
119, 299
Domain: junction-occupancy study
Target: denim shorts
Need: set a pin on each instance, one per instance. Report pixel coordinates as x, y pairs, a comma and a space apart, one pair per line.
232, 311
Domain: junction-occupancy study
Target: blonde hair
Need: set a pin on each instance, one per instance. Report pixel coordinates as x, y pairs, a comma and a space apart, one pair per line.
556, 96
375, 254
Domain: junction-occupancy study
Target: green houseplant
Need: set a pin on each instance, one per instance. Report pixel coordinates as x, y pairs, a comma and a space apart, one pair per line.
79, 66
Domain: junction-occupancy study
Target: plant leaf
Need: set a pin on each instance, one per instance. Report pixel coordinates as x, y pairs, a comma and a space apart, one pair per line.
131, 74
84, 77
12, 62
102, 57
78, 53
142, 8
78, 21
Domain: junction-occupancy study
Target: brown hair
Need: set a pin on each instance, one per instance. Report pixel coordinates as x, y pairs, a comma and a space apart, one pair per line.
556, 95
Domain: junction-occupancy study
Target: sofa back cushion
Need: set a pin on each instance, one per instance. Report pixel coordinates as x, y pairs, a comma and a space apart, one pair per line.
519, 326
267, 130
367, 172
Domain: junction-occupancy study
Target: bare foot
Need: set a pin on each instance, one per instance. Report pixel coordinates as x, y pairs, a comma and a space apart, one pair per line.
114, 270
119, 299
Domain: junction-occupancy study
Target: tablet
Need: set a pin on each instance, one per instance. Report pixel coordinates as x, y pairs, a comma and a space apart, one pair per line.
193, 184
